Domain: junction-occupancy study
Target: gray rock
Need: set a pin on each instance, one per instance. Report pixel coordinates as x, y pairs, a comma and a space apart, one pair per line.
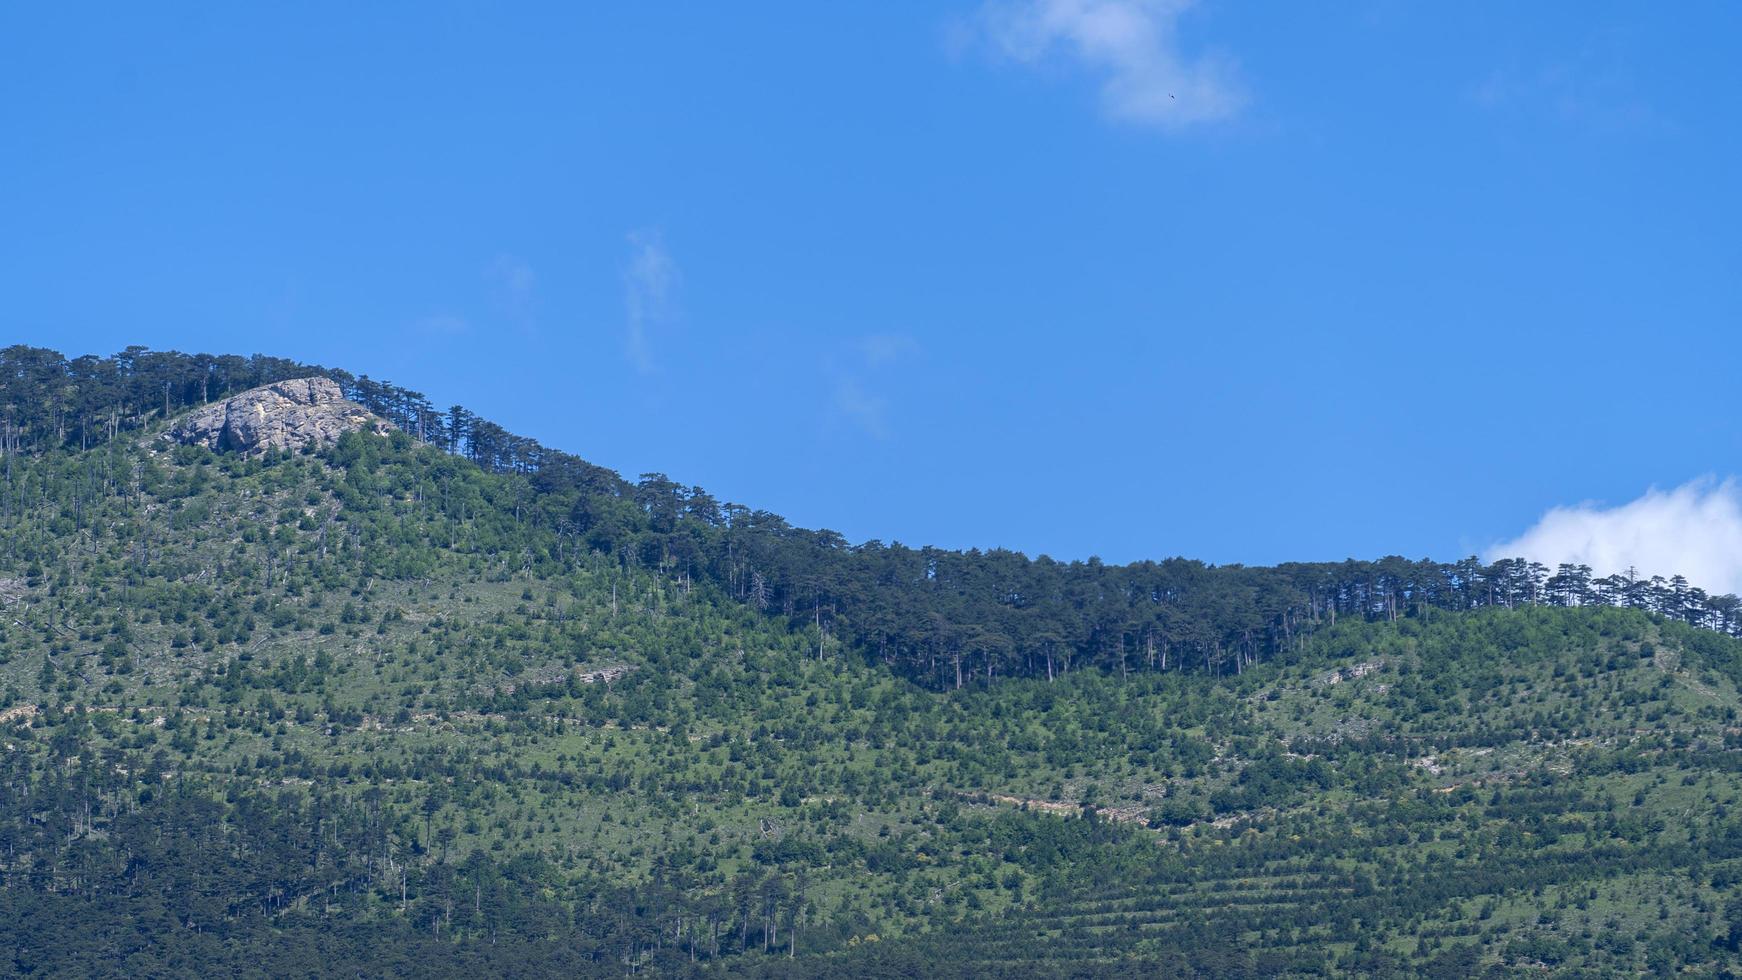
285, 415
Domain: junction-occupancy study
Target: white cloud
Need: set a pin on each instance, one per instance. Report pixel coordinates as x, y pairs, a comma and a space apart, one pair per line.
1693, 530
649, 283
1132, 45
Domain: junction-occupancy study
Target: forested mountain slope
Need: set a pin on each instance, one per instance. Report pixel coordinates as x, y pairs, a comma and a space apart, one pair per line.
379, 708
937, 616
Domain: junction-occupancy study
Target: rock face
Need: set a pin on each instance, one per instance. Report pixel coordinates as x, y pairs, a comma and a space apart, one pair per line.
286, 415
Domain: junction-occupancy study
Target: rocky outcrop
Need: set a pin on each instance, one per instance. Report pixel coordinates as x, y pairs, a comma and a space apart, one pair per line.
287, 415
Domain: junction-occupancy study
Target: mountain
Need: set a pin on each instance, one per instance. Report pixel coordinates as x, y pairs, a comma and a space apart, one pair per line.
316, 679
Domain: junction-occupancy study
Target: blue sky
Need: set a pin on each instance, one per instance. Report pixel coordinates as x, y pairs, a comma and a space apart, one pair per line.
1241, 282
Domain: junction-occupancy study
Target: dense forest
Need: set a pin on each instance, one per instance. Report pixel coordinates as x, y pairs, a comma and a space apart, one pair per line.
941, 617
447, 702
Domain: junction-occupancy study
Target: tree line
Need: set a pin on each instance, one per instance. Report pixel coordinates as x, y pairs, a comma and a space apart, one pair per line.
946, 618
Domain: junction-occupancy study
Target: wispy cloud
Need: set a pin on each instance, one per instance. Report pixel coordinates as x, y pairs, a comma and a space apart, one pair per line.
442, 325
1592, 85
856, 375
1131, 45
868, 411
649, 283
513, 280
883, 348
1693, 530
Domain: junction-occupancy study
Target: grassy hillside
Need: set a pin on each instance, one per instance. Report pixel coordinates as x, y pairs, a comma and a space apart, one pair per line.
358, 712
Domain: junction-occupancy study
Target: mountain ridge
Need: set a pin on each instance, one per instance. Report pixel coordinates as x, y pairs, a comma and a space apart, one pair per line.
946, 616
434, 717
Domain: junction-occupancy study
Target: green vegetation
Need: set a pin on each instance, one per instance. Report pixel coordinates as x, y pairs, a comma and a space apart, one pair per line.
385, 710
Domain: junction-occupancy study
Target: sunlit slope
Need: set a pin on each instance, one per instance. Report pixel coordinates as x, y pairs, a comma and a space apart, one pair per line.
376, 655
